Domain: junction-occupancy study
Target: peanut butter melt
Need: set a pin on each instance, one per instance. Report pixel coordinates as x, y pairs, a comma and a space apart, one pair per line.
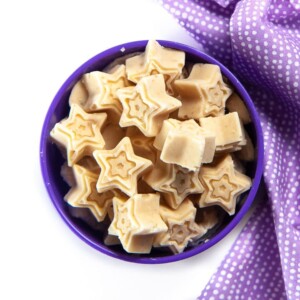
136, 221
228, 130
156, 60
203, 93
197, 145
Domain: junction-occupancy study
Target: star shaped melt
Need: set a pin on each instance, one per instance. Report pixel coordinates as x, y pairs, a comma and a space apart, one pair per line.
222, 184
203, 93
146, 105
80, 133
174, 182
96, 91
120, 168
136, 221
156, 60
182, 227
84, 193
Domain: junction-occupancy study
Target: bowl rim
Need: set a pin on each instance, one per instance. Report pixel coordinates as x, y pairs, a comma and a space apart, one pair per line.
259, 144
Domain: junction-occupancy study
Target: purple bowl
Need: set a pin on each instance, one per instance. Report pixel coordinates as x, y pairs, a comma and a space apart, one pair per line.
51, 159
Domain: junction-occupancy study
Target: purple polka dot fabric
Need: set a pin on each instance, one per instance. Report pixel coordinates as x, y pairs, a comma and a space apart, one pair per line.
259, 40
251, 270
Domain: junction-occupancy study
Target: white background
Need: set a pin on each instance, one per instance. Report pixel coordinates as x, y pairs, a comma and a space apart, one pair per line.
42, 43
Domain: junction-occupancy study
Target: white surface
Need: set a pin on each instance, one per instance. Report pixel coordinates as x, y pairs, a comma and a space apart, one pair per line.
42, 43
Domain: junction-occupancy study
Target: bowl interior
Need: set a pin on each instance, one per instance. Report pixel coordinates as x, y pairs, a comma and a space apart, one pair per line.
51, 159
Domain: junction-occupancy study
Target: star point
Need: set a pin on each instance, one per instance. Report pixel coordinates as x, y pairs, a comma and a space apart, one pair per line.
222, 184
203, 93
80, 133
96, 91
83, 194
156, 60
174, 182
182, 227
146, 107
136, 222
120, 168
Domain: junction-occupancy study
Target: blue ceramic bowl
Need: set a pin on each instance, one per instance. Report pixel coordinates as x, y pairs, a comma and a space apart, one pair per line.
51, 159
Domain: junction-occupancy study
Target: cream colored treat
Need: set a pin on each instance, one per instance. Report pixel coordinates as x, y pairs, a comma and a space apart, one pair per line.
120, 61
222, 184
210, 147
80, 133
247, 153
196, 145
183, 150
142, 145
228, 130
146, 105
84, 194
79, 94
137, 221
182, 227
193, 129
203, 93
120, 168
235, 103
112, 134
156, 60
160, 138
96, 91
175, 183
228, 148
88, 162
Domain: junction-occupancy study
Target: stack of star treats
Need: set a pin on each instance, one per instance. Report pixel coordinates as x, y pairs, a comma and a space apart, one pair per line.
153, 149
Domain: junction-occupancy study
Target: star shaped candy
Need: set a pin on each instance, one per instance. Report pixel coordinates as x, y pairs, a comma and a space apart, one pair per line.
182, 227
120, 168
156, 60
203, 93
146, 105
222, 184
87, 162
136, 222
174, 182
96, 91
191, 136
84, 193
80, 133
